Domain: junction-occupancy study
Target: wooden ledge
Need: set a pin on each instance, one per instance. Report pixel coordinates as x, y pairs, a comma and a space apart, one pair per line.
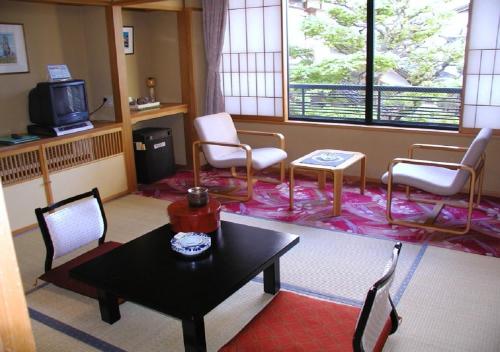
165, 109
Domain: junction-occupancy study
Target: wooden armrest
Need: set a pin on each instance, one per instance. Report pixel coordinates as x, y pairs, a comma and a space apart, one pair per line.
453, 166
450, 148
242, 146
280, 136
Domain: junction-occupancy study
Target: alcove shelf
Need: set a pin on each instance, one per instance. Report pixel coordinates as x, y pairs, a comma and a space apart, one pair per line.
165, 109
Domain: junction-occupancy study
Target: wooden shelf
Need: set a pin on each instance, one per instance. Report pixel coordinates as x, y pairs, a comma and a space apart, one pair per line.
165, 109
99, 126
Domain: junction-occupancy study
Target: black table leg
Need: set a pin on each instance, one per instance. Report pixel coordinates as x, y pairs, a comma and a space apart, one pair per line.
272, 283
108, 305
194, 335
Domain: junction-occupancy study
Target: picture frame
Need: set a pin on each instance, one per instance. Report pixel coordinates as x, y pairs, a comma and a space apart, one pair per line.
13, 53
128, 40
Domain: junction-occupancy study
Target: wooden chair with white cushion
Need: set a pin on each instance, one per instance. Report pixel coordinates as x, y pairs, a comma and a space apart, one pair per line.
68, 225
218, 139
293, 322
440, 178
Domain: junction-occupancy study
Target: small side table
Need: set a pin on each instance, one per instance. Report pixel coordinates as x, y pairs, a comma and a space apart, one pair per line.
184, 218
336, 171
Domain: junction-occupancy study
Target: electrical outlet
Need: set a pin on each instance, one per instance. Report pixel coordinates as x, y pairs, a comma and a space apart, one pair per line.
109, 101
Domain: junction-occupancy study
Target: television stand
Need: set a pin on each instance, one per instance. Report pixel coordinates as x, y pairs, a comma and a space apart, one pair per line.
60, 130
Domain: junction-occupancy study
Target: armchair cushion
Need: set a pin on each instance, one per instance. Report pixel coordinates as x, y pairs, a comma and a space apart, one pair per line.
261, 158
440, 180
432, 179
217, 128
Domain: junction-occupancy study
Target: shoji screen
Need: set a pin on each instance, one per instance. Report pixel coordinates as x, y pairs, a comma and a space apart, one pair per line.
482, 83
251, 70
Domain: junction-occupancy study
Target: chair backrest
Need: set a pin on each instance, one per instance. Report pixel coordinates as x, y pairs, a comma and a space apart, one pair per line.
216, 128
378, 317
472, 157
71, 224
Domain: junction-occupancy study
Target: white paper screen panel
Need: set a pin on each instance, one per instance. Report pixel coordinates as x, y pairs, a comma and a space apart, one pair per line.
482, 79
251, 69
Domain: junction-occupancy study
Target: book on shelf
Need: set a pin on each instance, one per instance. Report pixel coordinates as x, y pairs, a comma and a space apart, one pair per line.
17, 139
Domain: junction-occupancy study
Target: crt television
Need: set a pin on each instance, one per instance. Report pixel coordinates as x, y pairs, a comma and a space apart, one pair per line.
58, 103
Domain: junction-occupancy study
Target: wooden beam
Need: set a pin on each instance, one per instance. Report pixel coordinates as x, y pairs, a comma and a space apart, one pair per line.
134, 2
72, 2
15, 325
184, 24
114, 22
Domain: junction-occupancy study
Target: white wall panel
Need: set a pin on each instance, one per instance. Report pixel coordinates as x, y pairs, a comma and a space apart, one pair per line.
109, 175
21, 200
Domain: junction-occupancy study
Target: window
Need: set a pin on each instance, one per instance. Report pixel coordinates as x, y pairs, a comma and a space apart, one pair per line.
482, 84
251, 65
388, 62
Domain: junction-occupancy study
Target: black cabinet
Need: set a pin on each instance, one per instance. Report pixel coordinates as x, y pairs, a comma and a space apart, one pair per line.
154, 154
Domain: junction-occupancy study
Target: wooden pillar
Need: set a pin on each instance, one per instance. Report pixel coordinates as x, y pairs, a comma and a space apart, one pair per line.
184, 25
114, 23
15, 326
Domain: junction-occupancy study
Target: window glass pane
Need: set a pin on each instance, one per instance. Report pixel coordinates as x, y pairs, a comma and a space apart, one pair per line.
237, 31
233, 105
252, 57
327, 60
236, 4
265, 106
255, 30
249, 106
272, 25
418, 62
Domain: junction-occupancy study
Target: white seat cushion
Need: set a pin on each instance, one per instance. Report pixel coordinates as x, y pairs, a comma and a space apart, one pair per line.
261, 158
432, 179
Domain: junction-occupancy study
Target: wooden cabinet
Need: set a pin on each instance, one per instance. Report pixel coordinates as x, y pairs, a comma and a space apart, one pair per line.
38, 173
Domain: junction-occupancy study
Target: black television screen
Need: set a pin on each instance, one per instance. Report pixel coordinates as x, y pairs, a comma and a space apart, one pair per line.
68, 99
58, 103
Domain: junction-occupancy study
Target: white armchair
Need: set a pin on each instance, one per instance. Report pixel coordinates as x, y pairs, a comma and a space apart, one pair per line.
218, 139
440, 178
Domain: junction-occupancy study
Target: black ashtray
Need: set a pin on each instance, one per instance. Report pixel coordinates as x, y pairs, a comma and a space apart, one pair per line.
197, 197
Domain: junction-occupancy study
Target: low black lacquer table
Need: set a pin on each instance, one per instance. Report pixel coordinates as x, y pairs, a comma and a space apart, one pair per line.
147, 272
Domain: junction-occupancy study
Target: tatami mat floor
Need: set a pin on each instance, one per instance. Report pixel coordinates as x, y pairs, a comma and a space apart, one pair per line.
448, 299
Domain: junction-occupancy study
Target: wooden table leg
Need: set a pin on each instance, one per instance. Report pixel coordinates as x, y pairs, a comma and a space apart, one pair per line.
321, 179
362, 178
193, 331
108, 305
272, 282
292, 184
337, 192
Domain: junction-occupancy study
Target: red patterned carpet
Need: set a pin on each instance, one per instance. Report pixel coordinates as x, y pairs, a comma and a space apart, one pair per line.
362, 215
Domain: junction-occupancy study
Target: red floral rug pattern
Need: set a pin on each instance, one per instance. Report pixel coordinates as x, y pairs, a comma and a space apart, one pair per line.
362, 215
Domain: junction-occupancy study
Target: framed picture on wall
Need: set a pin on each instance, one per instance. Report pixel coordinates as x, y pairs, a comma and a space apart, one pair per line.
13, 58
128, 40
